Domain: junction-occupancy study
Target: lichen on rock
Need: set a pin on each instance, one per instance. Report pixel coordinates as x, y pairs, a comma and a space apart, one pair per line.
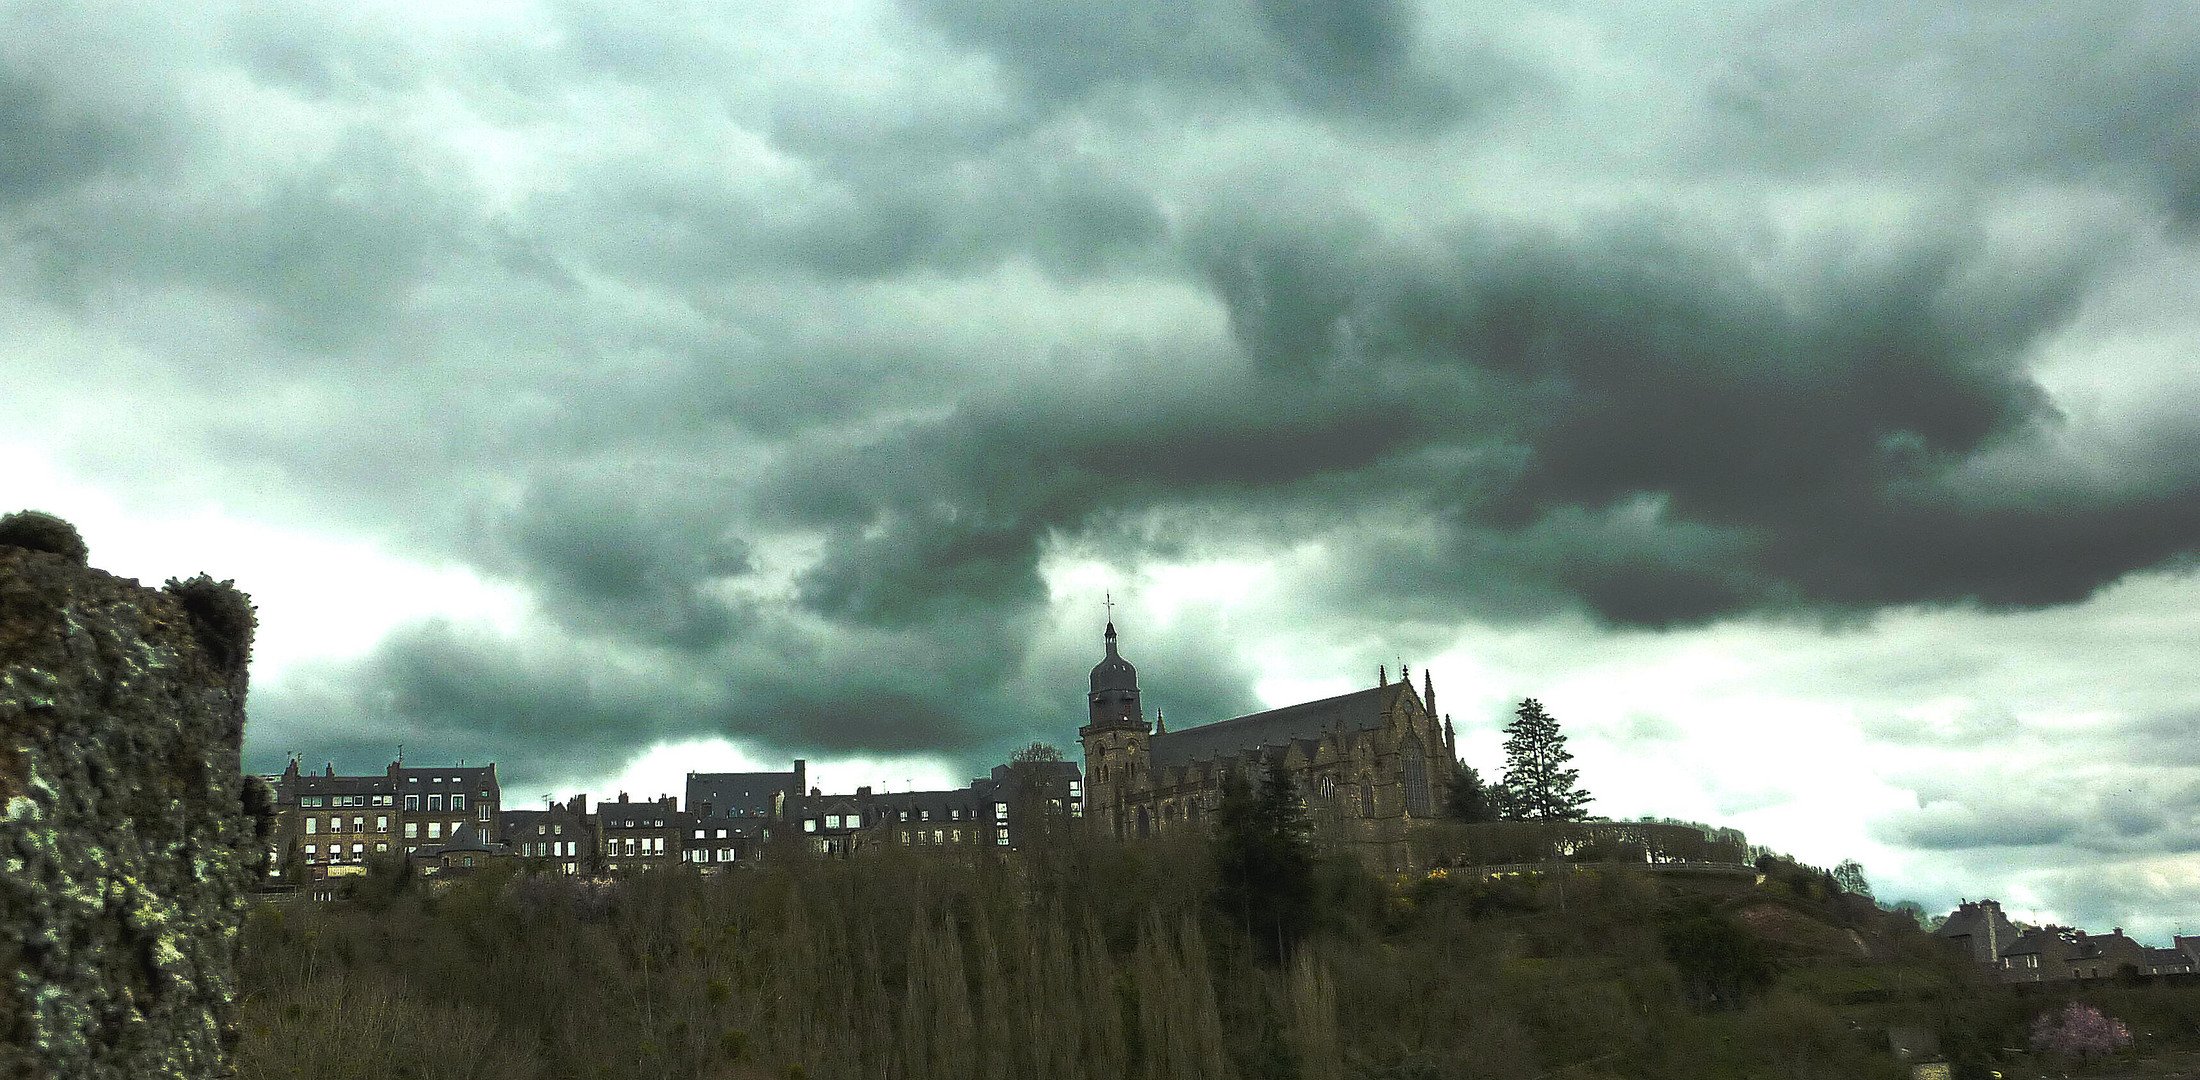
131, 837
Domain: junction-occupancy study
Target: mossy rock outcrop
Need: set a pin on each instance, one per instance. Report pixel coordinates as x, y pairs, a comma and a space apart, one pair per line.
129, 836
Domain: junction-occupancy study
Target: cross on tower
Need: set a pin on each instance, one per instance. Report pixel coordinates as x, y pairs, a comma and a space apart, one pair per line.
1108, 601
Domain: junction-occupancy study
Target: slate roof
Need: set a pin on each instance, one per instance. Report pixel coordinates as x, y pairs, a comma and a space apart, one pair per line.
738, 795
938, 802
1356, 711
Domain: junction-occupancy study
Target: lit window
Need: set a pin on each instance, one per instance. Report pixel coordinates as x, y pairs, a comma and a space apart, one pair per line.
435, 830
1000, 809
309, 852
381, 823
832, 821
1000, 836
809, 824
358, 823
412, 830
312, 825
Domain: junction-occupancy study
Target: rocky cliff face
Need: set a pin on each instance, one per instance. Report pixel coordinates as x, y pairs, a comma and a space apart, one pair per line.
129, 836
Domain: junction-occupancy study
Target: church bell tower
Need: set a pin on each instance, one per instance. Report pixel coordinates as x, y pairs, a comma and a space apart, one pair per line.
1115, 739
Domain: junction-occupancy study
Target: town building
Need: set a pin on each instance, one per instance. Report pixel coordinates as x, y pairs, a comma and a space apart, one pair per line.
435, 802
639, 836
464, 851
2020, 953
561, 837
328, 825
1370, 764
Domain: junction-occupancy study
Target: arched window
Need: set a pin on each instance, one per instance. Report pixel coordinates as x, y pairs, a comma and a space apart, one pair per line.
1417, 802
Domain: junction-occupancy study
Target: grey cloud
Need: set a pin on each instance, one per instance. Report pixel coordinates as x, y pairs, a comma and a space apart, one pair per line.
1352, 59
1793, 453
1992, 92
54, 145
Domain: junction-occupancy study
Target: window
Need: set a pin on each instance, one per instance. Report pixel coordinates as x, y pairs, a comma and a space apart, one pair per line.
358, 824
938, 837
309, 858
721, 834
698, 834
809, 824
412, 802
832, 821
435, 802
1076, 789
1000, 836
1000, 810
924, 815
379, 848
358, 852
481, 811
458, 801
312, 825
412, 830
557, 830
435, 830
381, 823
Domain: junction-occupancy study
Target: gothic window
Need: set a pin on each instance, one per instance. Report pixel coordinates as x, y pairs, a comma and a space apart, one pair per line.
1417, 801
1329, 789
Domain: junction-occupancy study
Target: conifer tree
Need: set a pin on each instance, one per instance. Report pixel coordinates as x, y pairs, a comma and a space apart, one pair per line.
1539, 785
1469, 799
1264, 855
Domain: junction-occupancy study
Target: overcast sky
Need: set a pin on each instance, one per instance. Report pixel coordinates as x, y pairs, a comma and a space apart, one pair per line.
1802, 405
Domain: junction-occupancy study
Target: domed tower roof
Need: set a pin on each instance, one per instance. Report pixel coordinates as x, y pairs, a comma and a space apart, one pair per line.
1113, 703
1113, 672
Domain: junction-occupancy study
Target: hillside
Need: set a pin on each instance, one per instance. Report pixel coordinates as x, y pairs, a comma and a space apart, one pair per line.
1106, 961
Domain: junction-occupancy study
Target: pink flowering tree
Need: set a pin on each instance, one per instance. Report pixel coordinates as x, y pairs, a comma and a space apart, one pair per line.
2079, 1032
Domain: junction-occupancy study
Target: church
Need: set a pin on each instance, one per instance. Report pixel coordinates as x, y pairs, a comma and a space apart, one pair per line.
1370, 764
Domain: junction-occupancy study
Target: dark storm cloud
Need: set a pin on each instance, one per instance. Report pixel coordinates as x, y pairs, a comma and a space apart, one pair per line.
1353, 58
607, 558
665, 303
1693, 438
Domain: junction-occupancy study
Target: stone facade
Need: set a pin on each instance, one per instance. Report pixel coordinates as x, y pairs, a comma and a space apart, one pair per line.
131, 837
1370, 764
